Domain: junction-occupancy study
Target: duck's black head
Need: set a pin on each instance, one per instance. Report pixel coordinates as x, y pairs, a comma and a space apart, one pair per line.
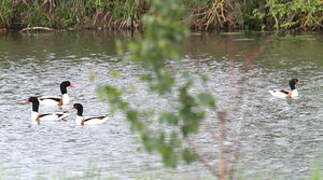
293, 83
79, 108
35, 103
64, 86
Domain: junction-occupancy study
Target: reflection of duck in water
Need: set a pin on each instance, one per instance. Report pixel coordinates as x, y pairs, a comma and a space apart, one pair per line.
36, 117
287, 94
80, 120
58, 100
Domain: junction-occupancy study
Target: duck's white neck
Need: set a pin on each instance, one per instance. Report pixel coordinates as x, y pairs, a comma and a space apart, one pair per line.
79, 120
294, 93
66, 99
34, 116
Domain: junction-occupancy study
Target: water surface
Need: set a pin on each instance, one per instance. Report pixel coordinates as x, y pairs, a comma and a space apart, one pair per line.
277, 138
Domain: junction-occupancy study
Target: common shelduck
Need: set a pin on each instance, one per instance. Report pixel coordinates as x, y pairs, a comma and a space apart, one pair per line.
36, 117
61, 100
287, 94
80, 120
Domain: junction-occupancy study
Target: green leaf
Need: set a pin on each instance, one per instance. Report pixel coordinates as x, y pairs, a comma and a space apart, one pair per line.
188, 156
114, 74
169, 118
132, 115
206, 99
146, 77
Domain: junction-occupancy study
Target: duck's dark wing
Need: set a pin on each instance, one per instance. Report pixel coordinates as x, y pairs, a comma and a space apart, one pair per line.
97, 117
60, 114
57, 114
51, 98
42, 115
284, 91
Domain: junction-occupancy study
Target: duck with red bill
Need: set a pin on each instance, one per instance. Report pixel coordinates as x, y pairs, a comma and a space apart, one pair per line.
60, 100
80, 120
36, 117
286, 94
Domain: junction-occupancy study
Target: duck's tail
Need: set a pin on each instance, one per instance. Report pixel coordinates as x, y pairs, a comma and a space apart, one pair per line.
272, 92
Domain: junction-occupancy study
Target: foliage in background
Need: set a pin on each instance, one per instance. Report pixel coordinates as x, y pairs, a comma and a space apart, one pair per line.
127, 14
71, 14
258, 15
304, 14
6, 13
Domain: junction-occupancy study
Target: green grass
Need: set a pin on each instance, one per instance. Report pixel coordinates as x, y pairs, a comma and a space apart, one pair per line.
6, 13
202, 14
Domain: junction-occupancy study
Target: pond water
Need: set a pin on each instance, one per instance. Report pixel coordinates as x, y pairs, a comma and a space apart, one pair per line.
277, 138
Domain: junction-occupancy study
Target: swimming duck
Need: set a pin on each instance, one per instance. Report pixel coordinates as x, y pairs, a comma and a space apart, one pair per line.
80, 120
61, 100
36, 117
287, 94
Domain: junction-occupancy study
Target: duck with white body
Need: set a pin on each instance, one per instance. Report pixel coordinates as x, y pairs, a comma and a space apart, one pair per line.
80, 120
61, 100
284, 94
36, 117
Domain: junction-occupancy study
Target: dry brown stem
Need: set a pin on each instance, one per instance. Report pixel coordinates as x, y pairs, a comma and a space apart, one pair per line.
201, 158
222, 167
36, 29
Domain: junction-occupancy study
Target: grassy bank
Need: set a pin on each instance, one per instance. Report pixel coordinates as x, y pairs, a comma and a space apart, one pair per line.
202, 15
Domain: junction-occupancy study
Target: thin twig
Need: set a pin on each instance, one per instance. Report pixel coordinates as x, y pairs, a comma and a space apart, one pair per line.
200, 157
222, 168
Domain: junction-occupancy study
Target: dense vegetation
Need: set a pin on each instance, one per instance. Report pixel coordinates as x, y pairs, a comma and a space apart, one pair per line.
127, 14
